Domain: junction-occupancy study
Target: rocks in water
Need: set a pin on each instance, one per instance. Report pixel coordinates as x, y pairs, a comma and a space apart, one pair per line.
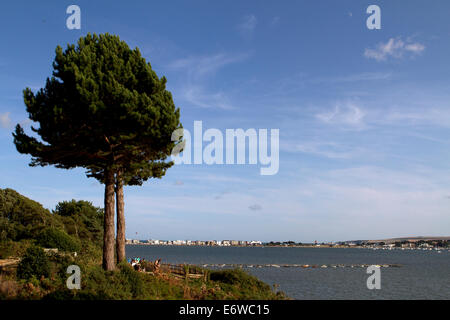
305, 266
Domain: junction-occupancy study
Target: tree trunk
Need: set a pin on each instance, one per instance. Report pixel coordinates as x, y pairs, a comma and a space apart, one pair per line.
108, 235
120, 240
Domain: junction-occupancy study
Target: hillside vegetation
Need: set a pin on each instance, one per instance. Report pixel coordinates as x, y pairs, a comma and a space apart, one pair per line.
75, 228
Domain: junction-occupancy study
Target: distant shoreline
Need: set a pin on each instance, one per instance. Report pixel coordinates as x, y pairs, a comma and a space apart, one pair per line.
372, 247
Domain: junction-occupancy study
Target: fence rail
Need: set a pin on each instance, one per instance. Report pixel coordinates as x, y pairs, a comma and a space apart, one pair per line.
8, 263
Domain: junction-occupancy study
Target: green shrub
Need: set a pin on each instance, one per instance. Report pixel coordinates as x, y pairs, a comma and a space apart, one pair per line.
34, 263
233, 277
82, 220
14, 249
132, 279
23, 218
54, 238
242, 285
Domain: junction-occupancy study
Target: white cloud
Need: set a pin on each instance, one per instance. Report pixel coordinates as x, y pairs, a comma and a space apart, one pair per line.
200, 97
5, 120
202, 66
248, 25
394, 48
415, 47
348, 114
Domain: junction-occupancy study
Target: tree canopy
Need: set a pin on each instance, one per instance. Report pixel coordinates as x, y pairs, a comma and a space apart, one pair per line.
104, 107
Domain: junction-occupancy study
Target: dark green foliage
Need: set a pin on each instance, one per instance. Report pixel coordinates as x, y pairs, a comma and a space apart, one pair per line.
35, 263
71, 223
22, 218
243, 285
132, 278
81, 220
54, 238
104, 108
123, 283
60, 263
9, 248
235, 276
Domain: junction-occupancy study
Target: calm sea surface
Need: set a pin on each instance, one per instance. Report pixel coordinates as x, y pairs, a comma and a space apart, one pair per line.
422, 275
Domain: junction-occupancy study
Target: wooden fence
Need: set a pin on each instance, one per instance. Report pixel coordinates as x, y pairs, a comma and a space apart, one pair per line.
184, 270
8, 263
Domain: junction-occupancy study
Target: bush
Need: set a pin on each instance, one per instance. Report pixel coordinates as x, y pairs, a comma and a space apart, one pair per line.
13, 249
243, 285
233, 277
34, 263
23, 218
82, 220
54, 238
132, 279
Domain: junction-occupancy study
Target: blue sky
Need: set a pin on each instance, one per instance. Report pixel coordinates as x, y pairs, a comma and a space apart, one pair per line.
364, 115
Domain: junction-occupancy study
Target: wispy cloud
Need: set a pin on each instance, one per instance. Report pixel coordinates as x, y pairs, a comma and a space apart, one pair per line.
394, 48
200, 97
347, 114
364, 76
247, 25
419, 116
199, 70
5, 120
206, 65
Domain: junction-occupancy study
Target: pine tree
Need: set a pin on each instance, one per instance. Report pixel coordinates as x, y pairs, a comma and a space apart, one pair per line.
106, 110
